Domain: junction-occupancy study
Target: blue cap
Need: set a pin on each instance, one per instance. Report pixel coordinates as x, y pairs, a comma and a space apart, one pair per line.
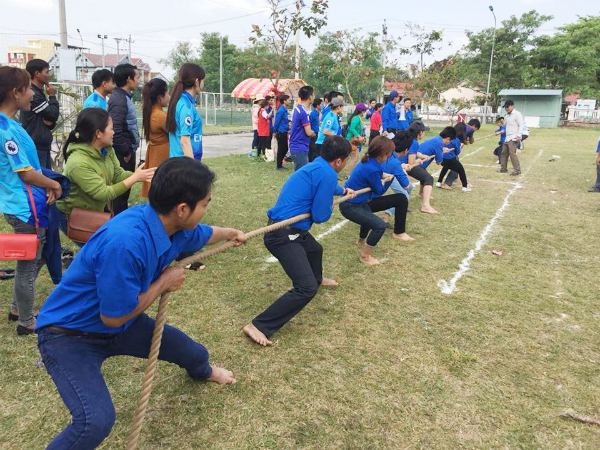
393, 94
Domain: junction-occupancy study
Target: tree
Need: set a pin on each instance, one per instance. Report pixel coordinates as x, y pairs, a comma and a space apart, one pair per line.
569, 59
210, 61
178, 56
284, 24
427, 42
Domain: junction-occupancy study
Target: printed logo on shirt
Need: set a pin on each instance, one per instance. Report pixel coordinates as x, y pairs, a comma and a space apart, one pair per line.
188, 121
11, 147
329, 122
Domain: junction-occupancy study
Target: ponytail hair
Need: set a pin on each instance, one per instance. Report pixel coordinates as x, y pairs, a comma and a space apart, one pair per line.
461, 132
89, 121
352, 116
152, 90
188, 74
402, 140
379, 146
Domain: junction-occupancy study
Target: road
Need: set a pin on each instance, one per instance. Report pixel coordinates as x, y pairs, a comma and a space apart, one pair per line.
223, 145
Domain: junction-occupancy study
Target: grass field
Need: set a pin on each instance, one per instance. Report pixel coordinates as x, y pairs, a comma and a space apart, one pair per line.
384, 361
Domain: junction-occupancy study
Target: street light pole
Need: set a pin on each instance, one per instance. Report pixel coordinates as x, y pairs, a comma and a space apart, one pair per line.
487, 91
102, 37
221, 71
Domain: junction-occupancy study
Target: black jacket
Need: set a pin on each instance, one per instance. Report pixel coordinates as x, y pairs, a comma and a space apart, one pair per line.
42, 108
123, 141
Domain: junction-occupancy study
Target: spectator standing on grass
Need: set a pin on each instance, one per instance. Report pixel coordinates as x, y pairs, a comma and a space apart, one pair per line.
254, 116
408, 115
40, 120
183, 120
264, 132
127, 136
375, 122
355, 134
315, 123
155, 97
282, 128
301, 132
271, 112
330, 124
103, 81
514, 127
372, 108
596, 187
501, 131
389, 116
21, 181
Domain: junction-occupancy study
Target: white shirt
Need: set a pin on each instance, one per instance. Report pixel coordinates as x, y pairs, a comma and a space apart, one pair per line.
514, 125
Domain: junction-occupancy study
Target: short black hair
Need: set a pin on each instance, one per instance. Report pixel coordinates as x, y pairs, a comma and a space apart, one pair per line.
268, 97
405, 99
336, 94
305, 92
283, 98
378, 105
100, 76
179, 180
335, 147
475, 123
123, 72
498, 119
372, 100
317, 102
327, 97
402, 140
448, 132
36, 65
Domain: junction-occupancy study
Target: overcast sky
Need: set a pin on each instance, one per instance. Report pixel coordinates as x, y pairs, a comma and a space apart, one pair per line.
157, 25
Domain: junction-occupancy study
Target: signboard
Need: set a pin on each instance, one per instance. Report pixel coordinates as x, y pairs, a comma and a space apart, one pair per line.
586, 104
16, 59
67, 66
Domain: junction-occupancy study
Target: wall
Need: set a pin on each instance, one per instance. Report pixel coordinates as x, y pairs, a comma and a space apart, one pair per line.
546, 107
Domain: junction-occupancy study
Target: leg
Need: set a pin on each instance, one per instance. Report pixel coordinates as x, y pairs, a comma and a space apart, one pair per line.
457, 167
255, 139
351, 164
514, 159
120, 203
504, 158
371, 227
74, 365
452, 176
443, 173
397, 189
312, 149
426, 180
45, 159
282, 148
400, 204
300, 266
300, 160
597, 186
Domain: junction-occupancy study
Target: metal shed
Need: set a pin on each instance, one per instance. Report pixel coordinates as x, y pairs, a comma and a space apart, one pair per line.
540, 107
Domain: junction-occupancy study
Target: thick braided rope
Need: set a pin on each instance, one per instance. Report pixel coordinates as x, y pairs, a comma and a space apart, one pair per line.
161, 318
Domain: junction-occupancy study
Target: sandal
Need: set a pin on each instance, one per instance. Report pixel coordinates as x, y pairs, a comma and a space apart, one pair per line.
196, 266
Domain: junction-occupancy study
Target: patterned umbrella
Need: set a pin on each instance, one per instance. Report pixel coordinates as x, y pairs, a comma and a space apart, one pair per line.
261, 87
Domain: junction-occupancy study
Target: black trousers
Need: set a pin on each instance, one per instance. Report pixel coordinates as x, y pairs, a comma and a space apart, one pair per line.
120, 203
372, 227
421, 174
302, 259
314, 150
255, 139
282, 147
455, 165
373, 135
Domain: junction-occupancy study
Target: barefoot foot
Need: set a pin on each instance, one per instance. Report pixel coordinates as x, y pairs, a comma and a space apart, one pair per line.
360, 243
221, 376
256, 335
329, 282
403, 237
428, 210
445, 186
369, 260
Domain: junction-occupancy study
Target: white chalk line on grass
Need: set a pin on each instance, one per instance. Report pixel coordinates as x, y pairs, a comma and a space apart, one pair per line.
337, 226
449, 287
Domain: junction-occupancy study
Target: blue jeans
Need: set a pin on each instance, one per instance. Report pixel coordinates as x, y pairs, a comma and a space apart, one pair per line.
74, 364
300, 159
398, 189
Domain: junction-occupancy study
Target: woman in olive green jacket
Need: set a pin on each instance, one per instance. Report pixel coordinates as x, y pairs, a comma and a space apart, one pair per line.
355, 134
92, 166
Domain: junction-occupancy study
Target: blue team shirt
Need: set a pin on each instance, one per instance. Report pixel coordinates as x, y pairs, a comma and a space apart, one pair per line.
271, 119
405, 123
18, 152
330, 122
412, 150
455, 145
369, 113
121, 260
314, 121
394, 166
187, 123
326, 110
433, 146
367, 175
309, 189
281, 124
503, 135
470, 131
389, 117
299, 140
598, 148
95, 100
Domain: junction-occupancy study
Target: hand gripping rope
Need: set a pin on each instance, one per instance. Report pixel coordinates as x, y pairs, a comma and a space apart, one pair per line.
161, 318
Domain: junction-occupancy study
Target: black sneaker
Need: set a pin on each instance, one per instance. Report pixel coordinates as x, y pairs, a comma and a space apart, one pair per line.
515, 173
594, 189
282, 168
24, 331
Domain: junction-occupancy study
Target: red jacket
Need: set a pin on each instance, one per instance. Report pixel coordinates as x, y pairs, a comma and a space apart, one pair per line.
376, 121
263, 124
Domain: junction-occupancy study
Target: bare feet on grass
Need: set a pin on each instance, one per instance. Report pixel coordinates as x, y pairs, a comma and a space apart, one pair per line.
429, 210
366, 258
445, 186
221, 376
256, 335
403, 237
329, 282
360, 243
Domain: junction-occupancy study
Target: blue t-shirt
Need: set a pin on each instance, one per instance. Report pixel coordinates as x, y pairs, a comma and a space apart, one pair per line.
455, 145
326, 110
121, 260
299, 140
18, 153
470, 131
503, 135
314, 121
281, 124
433, 146
389, 117
309, 189
367, 175
412, 150
187, 123
95, 100
369, 113
394, 166
330, 122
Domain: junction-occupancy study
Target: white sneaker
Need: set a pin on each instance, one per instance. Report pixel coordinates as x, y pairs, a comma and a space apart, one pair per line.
466, 189
438, 184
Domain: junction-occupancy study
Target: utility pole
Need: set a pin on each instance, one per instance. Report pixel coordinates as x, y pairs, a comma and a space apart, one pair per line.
118, 52
299, 4
130, 42
221, 71
62, 13
103, 36
384, 60
487, 91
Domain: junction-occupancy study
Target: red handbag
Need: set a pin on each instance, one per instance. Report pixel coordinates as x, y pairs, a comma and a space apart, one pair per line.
21, 246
